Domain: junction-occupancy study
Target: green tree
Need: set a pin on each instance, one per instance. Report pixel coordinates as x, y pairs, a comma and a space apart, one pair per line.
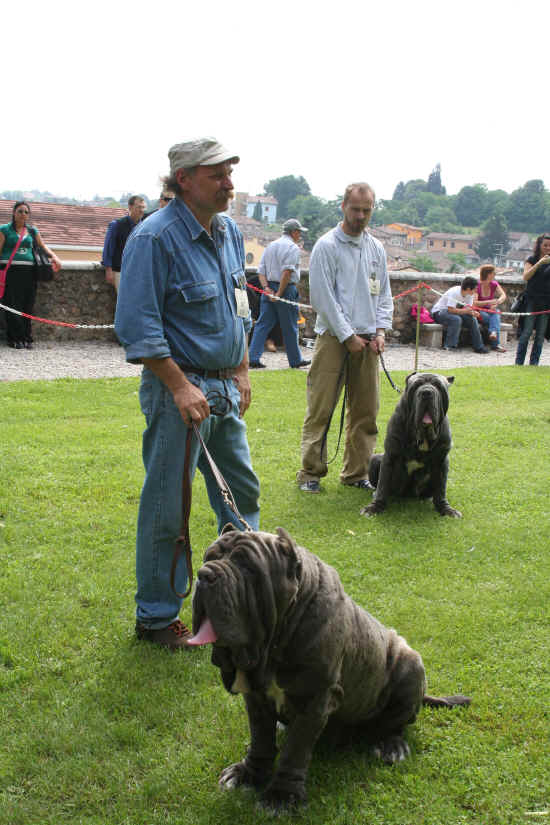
458, 261
315, 213
423, 263
257, 214
434, 184
413, 188
496, 201
494, 237
399, 192
471, 204
526, 211
285, 189
440, 219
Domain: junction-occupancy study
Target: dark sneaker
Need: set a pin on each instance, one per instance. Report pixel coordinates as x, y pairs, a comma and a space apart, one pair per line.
301, 364
310, 487
363, 484
256, 365
174, 636
482, 351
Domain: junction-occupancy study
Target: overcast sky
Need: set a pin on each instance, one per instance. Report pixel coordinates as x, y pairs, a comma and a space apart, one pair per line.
96, 93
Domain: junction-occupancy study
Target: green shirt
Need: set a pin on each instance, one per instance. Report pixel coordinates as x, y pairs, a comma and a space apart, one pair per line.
24, 253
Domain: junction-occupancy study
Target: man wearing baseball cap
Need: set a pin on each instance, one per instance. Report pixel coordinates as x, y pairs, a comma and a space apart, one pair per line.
182, 312
279, 274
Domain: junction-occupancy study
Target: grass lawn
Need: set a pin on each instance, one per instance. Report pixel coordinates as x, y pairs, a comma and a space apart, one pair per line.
96, 728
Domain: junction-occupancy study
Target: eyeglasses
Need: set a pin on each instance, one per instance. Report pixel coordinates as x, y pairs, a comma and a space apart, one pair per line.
166, 198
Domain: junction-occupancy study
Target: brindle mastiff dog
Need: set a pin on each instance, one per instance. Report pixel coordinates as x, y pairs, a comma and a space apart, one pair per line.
415, 461
288, 638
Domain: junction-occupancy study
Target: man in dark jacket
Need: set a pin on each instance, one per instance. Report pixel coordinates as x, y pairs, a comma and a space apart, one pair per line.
117, 234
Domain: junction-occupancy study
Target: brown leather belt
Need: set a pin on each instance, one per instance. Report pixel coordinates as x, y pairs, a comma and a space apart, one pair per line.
222, 374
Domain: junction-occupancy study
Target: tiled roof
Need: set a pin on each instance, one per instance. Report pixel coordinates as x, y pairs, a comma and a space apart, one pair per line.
262, 199
61, 223
448, 236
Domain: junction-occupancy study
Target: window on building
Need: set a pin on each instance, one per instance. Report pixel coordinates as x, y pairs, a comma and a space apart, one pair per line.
444, 243
431, 243
452, 244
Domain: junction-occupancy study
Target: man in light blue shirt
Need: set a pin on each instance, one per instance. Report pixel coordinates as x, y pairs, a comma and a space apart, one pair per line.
350, 291
182, 311
279, 274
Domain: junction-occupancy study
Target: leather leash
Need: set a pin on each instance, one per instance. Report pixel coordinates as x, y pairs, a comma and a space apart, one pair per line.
183, 541
388, 376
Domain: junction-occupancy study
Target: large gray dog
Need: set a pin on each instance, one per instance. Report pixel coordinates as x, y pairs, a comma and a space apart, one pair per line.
288, 637
415, 461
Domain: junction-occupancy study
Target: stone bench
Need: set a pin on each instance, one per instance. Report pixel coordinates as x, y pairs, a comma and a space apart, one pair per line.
431, 335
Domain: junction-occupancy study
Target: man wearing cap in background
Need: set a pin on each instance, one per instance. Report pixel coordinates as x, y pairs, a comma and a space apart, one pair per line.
182, 312
279, 274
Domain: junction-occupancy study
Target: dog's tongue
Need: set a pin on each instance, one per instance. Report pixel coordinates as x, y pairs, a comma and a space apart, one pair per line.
205, 635
427, 419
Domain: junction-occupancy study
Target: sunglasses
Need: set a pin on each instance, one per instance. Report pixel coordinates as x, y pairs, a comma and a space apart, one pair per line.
163, 198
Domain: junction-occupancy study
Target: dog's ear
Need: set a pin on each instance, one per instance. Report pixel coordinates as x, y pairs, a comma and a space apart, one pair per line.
409, 377
228, 528
290, 549
450, 379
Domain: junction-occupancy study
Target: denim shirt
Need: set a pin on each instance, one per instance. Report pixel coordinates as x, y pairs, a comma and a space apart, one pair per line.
177, 290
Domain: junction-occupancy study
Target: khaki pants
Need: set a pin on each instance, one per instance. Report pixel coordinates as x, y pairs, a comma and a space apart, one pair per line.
324, 385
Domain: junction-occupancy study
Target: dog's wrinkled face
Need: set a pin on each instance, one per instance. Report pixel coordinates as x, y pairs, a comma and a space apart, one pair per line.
244, 588
427, 398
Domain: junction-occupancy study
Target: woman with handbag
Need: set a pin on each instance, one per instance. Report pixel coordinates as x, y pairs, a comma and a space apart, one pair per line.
536, 272
17, 271
490, 295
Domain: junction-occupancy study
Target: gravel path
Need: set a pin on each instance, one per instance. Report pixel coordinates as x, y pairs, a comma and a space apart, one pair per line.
49, 360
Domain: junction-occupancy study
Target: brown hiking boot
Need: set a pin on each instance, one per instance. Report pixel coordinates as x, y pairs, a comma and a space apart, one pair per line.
174, 636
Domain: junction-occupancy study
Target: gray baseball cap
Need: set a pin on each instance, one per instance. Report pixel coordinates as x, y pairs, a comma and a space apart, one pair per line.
292, 225
206, 151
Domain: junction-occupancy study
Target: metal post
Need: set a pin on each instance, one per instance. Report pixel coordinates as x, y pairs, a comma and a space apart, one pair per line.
417, 327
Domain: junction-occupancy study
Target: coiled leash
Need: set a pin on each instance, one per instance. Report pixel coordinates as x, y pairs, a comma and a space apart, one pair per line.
183, 541
343, 374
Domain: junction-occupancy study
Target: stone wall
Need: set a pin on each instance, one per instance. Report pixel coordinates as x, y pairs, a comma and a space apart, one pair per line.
79, 294
404, 327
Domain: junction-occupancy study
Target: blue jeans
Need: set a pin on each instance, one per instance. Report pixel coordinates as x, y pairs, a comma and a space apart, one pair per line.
160, 509
286, 315
530, 323
453, 325
492, 321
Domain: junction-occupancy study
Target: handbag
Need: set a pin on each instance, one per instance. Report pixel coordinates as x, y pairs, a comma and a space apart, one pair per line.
520, 302
425, 317
43, 270
4, 272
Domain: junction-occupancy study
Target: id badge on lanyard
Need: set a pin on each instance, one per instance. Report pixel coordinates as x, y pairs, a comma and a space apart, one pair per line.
241, 298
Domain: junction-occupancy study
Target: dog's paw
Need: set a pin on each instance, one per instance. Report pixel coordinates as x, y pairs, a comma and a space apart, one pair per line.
278, 798
238, 776
392, 750
372, 509
447, 510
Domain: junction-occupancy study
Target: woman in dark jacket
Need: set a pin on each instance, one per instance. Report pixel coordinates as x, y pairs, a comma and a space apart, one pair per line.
20, 288
536, 272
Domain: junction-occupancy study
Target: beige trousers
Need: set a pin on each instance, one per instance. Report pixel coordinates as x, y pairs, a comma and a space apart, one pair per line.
324, 386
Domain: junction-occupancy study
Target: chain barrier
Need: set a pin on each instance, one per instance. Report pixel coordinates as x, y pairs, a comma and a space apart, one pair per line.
421, 285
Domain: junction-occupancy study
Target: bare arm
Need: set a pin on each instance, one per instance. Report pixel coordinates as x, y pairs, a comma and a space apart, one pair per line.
530, 269
188, 398
242, 380
2, 241
56, 263
285, 280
